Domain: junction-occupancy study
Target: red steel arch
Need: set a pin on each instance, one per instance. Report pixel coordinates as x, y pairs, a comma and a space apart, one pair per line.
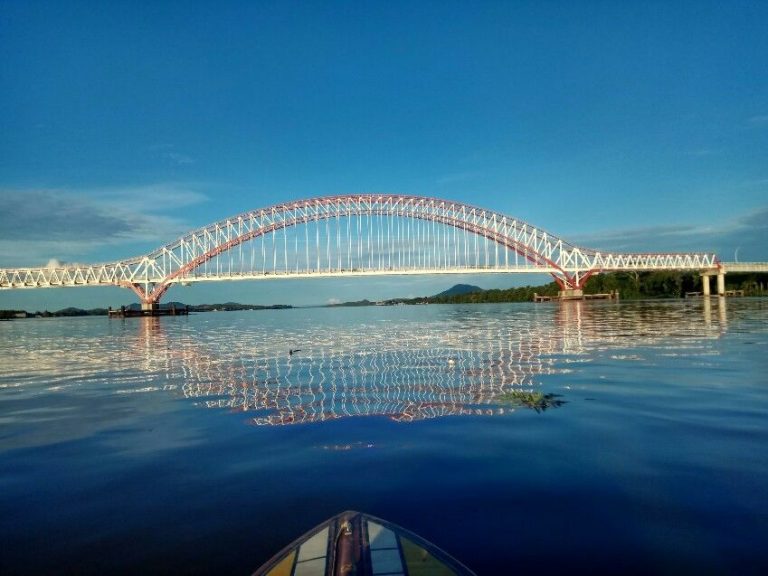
439, 211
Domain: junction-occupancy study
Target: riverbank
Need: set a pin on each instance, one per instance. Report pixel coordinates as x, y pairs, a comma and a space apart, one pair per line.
172, 308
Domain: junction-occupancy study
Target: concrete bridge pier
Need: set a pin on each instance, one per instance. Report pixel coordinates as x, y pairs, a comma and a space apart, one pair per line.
705, 290
571, 294
721, 284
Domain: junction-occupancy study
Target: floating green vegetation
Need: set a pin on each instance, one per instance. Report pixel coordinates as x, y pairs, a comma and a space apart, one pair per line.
529, 399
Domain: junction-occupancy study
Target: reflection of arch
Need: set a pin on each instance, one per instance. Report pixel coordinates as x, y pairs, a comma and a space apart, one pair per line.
402, 383
406, 372
361, 234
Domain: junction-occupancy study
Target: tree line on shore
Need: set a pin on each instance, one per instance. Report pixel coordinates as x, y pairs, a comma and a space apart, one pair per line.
629, 285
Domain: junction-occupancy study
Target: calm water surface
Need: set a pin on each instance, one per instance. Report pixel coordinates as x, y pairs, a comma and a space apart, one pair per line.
595, 436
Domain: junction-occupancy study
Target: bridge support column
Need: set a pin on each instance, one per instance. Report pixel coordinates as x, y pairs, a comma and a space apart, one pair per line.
705, 285
721, 284
149, 306
571, 294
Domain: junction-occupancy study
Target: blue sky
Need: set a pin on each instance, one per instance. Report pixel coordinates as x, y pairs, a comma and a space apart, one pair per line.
615, 125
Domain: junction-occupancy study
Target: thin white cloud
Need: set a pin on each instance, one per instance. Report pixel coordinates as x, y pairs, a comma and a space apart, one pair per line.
748, 231
33, 253
155, 197
169, 153
760, 120
38, 225
178, 159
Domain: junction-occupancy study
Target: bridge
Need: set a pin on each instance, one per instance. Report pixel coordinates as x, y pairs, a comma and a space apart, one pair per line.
358, 235
732, 267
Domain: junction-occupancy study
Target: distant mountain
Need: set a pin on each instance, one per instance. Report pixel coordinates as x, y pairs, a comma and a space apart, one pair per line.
459, 289
356, 303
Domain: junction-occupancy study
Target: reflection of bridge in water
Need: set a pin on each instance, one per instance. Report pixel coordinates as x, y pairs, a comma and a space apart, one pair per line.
403, 377
410, 369
403, 384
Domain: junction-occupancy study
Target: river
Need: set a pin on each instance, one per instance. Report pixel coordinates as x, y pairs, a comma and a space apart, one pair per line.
590, 436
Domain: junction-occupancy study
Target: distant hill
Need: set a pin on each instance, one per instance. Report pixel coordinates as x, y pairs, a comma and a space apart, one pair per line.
454, 292
459, 289
355, 303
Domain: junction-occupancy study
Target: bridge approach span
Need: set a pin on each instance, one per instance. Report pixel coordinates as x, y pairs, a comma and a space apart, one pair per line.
354, 235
